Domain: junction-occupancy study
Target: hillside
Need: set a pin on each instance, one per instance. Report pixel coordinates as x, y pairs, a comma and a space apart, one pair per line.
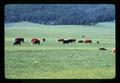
59, 14
36, 25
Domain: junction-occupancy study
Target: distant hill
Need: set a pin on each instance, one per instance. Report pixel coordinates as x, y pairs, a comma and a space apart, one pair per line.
36, 25
57, 14
21, 24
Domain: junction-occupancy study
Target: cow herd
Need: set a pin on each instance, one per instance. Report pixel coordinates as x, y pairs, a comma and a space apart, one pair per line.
74, 40
18, 41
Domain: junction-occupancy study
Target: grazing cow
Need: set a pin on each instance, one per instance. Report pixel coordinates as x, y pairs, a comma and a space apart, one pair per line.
102, 49
113, 50
87, 41
21, 39
59, 40
17, 41
97, 42
80, 41
44, 39
35, 41
65, 41
72, 40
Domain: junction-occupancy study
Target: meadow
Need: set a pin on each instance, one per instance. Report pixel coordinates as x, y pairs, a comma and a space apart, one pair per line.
53, 60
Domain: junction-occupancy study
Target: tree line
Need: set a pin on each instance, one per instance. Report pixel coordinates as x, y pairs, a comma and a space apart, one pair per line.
60, 14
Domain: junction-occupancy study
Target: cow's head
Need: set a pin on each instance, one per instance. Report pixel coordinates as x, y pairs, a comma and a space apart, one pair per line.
22, 40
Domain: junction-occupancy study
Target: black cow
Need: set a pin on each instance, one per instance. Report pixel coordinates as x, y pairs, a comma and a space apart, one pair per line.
59, 40
102, 49
18, 41
80, 41
72, 40
65, 41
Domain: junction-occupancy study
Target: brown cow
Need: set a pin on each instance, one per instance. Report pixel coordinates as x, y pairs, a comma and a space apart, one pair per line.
71, 40
113, 50
35, 41
87, 41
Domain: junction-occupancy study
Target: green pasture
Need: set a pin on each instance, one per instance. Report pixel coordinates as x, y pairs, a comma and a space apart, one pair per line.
53, 60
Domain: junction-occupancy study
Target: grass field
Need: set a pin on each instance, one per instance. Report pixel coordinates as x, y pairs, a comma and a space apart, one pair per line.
53, 60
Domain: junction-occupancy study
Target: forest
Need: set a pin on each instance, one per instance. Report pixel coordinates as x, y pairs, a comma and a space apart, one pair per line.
60, 14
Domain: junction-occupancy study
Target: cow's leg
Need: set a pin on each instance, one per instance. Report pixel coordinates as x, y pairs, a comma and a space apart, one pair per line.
14, 43
38, 43
31, 42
